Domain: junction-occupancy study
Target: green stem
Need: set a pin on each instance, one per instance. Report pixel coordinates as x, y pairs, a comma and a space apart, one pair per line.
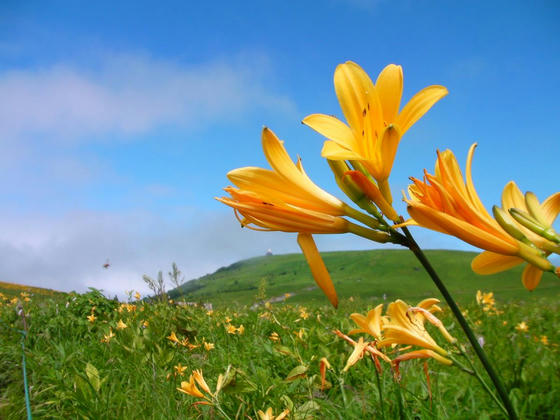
364, 218
380, 393
413, 246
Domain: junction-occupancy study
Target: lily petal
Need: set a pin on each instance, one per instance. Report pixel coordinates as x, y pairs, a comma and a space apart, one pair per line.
317, 266
427, 217
389, 86
387, 149
531, 277
334, 151
490, 263
419, 105
333, 129
551, 208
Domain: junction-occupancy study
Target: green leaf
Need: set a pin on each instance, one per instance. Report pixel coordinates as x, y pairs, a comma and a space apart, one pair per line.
93, 376
297, 372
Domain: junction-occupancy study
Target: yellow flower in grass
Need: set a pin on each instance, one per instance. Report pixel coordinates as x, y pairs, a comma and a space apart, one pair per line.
491, 262
121, 325
190, 387
91, 318
268, 414
208, 346
446, 203
106, 338
406, 327
522, 327
179, 369
173, 338
274, 336
370, 324
357, 353
375, 125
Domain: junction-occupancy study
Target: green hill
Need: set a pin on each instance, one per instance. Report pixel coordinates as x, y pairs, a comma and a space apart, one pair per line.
364, 274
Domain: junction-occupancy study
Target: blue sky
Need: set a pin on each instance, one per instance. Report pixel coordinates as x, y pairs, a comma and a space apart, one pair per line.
118, 122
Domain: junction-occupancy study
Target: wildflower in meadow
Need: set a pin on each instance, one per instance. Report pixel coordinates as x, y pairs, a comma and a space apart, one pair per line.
370, 324
446, 203
106, 338
208, 346
544, 340
268, 414
137, 296
540, 215
91, 318
375, 125
173, 338
121, 325
522, 327
179, 369
356, 354
323, 366
406, 326
274, 336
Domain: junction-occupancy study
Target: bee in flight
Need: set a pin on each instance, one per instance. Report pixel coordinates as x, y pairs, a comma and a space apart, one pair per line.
107, 264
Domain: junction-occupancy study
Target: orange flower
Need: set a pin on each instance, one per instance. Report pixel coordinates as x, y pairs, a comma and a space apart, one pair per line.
446, 203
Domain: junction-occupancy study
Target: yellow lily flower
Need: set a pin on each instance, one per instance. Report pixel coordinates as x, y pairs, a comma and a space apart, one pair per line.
357, 354
286, 183
446, 203
121, 325
491, 262
278, 216
269, 415
403, 328
173, 337
370, 324
375, 125
190, 388
91, 318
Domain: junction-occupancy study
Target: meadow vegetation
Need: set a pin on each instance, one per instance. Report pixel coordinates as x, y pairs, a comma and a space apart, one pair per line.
93, 357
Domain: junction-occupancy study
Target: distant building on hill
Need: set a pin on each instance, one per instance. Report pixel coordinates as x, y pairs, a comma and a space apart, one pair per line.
268, 252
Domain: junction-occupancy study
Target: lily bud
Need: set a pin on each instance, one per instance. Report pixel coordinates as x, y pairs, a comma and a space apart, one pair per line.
349, 187
374, 194
534, 225
501, 217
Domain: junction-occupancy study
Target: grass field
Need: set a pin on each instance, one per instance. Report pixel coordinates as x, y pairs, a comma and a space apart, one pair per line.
128, 359
370, 274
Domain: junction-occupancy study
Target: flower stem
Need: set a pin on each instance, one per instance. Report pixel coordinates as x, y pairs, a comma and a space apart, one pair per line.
413, 246
380, 390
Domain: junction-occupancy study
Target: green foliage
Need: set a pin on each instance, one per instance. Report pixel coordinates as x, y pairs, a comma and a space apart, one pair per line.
75, 371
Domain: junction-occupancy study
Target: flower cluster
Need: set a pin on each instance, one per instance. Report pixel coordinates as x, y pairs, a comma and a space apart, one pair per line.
519, 231
402, 325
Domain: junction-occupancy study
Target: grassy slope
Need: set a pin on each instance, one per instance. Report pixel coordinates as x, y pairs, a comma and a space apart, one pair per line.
368, 274
12, 289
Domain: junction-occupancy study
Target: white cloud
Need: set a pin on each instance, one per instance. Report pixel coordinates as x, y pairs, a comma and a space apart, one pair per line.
67, 253
127, 95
